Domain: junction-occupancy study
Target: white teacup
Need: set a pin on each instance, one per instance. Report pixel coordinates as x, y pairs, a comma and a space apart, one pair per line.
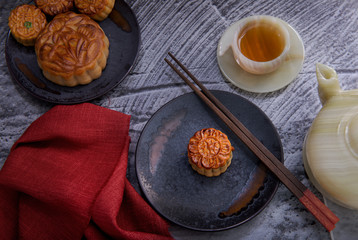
260, 44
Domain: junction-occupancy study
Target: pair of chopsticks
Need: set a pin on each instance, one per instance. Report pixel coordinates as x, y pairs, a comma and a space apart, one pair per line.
319, 210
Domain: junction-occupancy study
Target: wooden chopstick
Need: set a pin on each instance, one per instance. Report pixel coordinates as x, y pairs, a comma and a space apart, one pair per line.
306, 197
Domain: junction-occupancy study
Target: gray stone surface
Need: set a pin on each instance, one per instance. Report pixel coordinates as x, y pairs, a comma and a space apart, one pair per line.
191, 30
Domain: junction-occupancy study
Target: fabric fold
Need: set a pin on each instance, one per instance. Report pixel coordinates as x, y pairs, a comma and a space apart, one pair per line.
65, 178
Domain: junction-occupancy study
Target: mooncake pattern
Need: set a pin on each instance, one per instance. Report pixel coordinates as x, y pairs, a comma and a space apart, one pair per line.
54, 7
26, 22
72, 50
209, 152
96, 9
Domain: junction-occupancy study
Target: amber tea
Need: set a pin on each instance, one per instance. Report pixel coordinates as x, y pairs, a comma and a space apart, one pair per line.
261, 42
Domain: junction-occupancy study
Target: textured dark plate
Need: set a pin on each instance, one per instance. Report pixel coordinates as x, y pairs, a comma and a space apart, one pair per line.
123, 50
182, 195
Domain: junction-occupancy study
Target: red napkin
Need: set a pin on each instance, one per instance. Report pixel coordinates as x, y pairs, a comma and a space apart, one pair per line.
65, 178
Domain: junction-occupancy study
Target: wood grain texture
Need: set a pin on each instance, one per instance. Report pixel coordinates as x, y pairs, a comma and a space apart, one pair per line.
191, 31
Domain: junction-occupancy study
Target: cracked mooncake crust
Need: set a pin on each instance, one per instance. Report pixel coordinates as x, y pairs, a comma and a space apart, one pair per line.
26, 22
96, 9
72, 50
54, 7
210, 152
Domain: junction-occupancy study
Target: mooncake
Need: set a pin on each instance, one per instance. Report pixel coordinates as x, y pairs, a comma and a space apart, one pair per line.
210, 152
54, 7
96, 9
26, 22
72, 49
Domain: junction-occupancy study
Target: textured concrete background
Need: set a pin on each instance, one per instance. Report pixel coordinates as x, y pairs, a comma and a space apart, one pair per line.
191, 30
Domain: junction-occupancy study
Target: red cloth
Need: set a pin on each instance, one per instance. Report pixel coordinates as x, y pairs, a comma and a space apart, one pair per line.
65, 178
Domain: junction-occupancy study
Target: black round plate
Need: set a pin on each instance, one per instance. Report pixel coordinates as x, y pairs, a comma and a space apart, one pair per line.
180, 194
123, 50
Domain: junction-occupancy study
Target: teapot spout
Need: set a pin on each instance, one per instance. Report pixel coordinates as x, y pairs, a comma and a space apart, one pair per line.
328, 84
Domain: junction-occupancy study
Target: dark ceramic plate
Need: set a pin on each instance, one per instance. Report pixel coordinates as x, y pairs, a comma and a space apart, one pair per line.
123, 50
183, 196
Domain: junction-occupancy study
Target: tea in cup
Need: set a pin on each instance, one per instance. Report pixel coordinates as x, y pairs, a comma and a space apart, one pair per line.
260, 44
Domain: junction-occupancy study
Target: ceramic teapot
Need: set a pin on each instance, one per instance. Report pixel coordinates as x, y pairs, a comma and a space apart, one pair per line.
330, 152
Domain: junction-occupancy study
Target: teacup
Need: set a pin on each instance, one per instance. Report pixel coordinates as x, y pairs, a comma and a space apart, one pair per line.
260, 44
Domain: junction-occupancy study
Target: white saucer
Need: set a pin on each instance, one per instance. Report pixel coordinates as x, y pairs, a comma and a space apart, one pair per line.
278, 79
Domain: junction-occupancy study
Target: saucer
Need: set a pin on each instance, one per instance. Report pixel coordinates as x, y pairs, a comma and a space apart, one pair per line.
270, 82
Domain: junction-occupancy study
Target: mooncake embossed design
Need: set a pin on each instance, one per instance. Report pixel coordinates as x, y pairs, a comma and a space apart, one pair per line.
209, 152
72, 49
54, 7
26, 22
96, 9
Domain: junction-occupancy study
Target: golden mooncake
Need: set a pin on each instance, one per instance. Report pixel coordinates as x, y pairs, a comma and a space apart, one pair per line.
96, 9
54, 7
210, 152
26, 22
72, 49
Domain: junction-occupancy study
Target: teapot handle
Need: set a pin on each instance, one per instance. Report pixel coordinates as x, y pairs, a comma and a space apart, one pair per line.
328, 84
